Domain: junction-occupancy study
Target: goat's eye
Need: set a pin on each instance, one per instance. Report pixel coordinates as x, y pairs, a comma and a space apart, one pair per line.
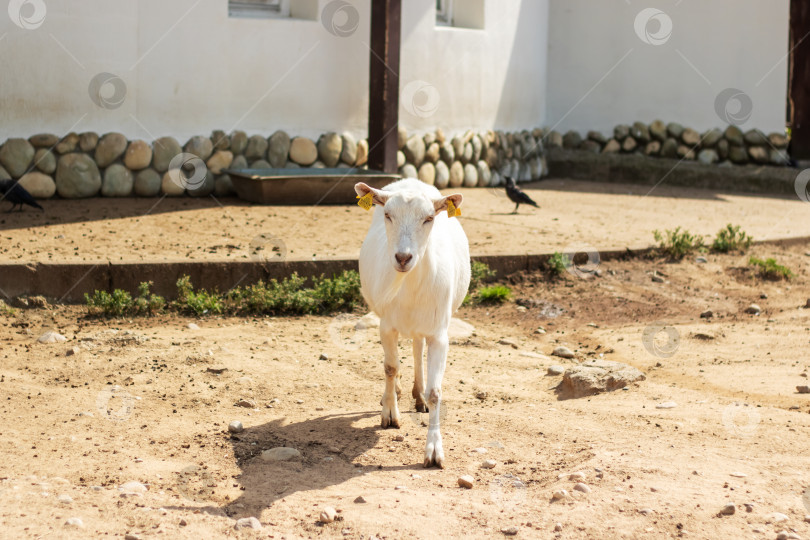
388, 217
428, 219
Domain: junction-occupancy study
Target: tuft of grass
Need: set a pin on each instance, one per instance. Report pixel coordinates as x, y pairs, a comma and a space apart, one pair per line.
497, 294
290, 297
199, 302
770, 269
731, 238
557, 264
7, 310
677, 244
480, 273
120, 302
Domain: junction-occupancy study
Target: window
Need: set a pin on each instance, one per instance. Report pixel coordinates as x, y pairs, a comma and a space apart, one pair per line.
460, 13
258, 9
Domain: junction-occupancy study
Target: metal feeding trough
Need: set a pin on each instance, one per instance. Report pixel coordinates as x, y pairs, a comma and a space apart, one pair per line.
304, 186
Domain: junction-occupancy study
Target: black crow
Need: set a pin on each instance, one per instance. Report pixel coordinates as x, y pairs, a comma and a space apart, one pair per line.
517, 196
14, 193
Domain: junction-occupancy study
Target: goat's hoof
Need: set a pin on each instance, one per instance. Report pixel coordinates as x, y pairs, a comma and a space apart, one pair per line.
437, 461
421, 407
390, 421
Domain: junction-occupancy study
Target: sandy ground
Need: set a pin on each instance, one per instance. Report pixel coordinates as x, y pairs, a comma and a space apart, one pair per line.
572, 215
141, 401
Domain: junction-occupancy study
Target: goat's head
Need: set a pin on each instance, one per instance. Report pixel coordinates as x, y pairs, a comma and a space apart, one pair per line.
408, 218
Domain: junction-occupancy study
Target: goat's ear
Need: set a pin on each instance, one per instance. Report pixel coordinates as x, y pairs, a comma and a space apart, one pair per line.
378, 197
441, 205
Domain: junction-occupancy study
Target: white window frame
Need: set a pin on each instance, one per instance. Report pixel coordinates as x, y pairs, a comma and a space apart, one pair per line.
444, 12
266, 9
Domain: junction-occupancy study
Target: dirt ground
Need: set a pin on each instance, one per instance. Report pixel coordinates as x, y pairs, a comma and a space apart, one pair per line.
147, 400
571, 214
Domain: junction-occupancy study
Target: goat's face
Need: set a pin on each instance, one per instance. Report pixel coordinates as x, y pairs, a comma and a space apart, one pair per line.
408, 218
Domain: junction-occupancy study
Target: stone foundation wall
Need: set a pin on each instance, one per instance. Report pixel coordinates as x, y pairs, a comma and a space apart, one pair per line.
89, 165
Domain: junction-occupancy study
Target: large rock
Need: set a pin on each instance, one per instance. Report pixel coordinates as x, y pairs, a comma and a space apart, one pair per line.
303, 151
427, 173
690, 137
597, 376
220, 140
77, 176
670, 148
330, 146
281, 453
223, 186
88, 141
711, 138
621, 132
734, 136
738, 155
118, 181
759, 154
484, 174
554, 139
433, 153
278, 148
238, 142
572, 140
138, 155
456, 174
675, 130
612, 147
164, 150
640, 132
147, 183
171, 184
349, 152
409, 171
470, 175
722, 149
221, 159
200, 146
362, 153
204, 187
16, 155
415, 150
110, 147
658, 130
447, 153
755, 137
478, 146
467, 155
4, 174
442, 175
653, 148
39, 185
68, 144
43, 140
402, 136
779, 156
256, 148
708, 156
45, 161
778, 140
239, 162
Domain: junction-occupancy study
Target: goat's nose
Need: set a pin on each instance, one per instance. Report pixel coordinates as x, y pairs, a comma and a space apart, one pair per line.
403, 258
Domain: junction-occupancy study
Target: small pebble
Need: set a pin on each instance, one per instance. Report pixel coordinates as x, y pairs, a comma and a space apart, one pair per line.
236, 427
328, 515
701, 259
193, 326
246, 403
749, 507
708, 314
360, 500
132, 487
466, 481
65, 499
563, 352
132, 537
52, 337
481, 395
776, 517
488, 464
323, 357
399, 438
803, 389
578, 476
559, 495
540, 330
645, 511
763, 296
509, 343
753, 309
557, 527
400, 488
807, 518
74, 522
248, 523
666, 405
509, 531
299, 401
738, 474
183, 523
582, 487
657, 279
73, 351
728, 510
556, 370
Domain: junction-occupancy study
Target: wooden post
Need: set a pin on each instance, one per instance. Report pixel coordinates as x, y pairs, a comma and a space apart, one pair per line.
383, 85
799, 79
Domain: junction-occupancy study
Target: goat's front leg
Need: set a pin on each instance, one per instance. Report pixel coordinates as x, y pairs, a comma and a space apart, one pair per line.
418, 391
390, 411
436, 360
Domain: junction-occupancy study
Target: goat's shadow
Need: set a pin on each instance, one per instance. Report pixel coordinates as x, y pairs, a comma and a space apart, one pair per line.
329, 447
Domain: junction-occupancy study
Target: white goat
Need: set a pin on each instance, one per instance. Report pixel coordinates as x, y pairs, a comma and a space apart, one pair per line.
414, 274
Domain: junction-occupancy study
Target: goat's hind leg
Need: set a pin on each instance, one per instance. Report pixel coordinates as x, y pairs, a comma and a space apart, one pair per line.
390, 410
418, 391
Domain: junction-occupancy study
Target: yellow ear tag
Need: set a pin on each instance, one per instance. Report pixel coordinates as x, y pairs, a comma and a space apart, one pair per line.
452, 211
365, 201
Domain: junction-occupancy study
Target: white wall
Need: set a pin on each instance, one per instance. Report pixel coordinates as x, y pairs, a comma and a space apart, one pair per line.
188, 69
731, 43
